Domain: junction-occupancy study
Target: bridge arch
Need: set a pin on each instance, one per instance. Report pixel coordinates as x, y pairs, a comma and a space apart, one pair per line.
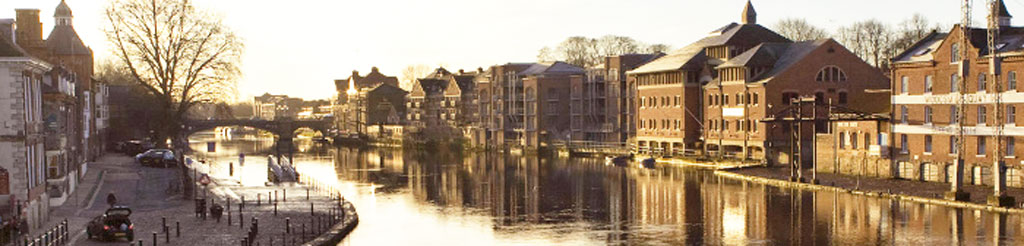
284, 129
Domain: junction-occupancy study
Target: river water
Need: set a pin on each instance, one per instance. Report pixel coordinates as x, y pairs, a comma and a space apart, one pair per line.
419, 198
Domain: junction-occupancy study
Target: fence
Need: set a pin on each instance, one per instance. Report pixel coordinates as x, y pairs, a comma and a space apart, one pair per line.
57, 235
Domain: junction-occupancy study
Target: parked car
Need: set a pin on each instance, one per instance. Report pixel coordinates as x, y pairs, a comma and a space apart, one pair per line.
112, 224
157, 158
133, 147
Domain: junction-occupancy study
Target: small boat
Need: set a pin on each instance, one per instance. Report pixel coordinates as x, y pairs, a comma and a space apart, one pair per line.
619, 161
647, 163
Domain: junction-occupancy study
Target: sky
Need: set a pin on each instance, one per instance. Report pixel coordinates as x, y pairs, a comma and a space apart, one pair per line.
299, 47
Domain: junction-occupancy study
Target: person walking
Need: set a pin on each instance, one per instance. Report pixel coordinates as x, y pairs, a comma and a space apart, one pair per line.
111, 199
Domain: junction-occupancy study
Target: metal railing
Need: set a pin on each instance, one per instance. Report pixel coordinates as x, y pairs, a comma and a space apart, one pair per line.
56, 235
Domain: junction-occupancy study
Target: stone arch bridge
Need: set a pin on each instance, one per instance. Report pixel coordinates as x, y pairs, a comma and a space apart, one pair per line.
284, 128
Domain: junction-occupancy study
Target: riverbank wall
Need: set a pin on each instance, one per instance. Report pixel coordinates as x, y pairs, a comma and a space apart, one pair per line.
901, 190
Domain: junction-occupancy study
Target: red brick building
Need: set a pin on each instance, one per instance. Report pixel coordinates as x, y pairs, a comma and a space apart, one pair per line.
762, 81
603, 104
670, 108
925, 96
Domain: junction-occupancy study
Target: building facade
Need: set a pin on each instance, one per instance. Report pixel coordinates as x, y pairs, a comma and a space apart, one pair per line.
926, 113
602, 104
347, 115
763, 82
22, 133
669, 89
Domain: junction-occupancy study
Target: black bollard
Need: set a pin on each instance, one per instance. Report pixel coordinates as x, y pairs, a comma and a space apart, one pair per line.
307, 194
269, 197
258, 199
163, 222
241, 218
229, 216
140, 242
284, 195
154, 238
311, 214
275, 208
245, 241
287, 225
167, 235
242, 205
177, 228
255, 226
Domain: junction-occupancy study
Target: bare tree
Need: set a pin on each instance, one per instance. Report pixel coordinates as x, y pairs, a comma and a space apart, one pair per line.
871, 40
413, 72
611, 45
657, 48
546, 55
577, 50
910, 31
180, 54
799, 30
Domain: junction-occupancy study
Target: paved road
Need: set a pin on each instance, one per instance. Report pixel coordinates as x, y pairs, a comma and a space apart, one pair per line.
145, 190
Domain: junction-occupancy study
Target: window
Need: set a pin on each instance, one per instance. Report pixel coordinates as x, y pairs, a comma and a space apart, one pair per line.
754, 99
1010, 146
1011, 114
927, 114
739, 99
903, 114
927, 143
725, 100
904, 82
853, 140
954, 83
787, 98
981, 145
867, 141
903, 144
842, 140
928, 84
1011, 80
819, 98
981, 115
725, 125
952, 145
954, 53
678, 99
843, 98
831, 74
981, 82
954, 114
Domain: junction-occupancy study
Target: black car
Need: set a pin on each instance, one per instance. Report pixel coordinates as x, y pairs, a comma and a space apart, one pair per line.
156, 158
112, 224
133, 147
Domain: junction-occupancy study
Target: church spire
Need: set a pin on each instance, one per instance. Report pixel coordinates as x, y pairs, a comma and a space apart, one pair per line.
1004, 15
62, 14
749, 15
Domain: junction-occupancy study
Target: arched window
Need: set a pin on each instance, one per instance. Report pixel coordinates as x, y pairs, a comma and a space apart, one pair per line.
831, 74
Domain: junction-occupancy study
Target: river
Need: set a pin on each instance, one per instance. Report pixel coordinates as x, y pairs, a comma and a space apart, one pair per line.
418, 198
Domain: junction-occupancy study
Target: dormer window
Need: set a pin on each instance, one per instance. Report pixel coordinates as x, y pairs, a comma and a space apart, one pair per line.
831, 74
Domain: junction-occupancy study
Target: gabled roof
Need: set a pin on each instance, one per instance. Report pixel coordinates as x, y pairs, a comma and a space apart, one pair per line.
63, 40
693, 54
425, 87
439, 73
556, 68
778, 57
373, 79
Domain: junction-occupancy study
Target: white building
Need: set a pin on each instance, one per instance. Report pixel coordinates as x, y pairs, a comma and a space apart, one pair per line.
22, 154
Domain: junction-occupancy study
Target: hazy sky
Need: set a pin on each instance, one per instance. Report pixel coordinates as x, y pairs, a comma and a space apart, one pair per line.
298, 47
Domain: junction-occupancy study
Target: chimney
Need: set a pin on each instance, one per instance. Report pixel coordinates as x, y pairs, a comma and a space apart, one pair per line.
28, 31
480, 69
355, 73
7, 29
374, 70
461, 72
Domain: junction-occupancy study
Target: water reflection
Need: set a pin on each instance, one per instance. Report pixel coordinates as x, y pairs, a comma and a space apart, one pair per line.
407, 197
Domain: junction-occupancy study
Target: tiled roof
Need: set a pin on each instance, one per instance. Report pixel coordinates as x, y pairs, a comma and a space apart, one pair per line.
9, 49
779, 57
740, 34
63, 40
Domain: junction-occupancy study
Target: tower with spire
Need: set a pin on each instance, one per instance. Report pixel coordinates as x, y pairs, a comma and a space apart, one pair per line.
62, 15
1004, 15
749, 15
